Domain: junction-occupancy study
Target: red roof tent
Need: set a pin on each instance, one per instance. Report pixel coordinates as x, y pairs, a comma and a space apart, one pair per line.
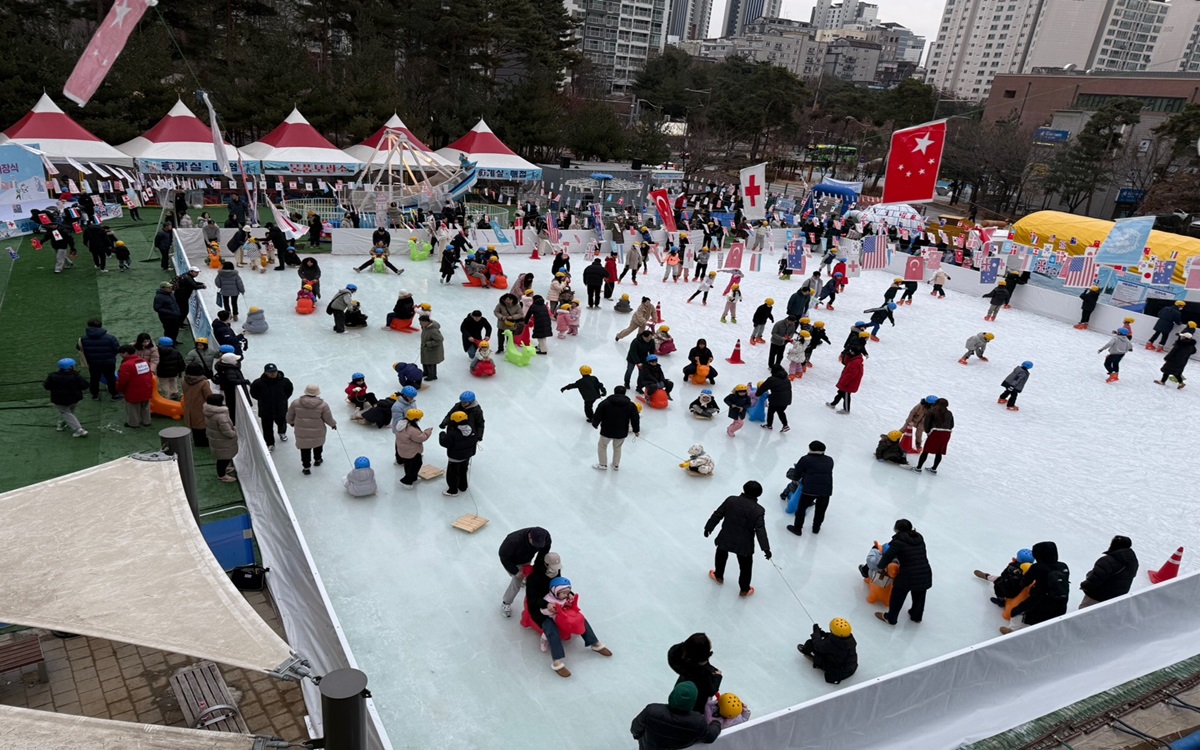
60, 137
481, 140
395, 124
179, 126
296, 132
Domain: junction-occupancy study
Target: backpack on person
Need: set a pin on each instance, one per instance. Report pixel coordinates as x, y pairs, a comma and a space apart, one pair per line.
1058, 582
1008, 585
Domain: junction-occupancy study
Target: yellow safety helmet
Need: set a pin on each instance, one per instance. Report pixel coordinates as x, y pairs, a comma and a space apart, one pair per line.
585, 370
805, 321
741, 387
729, 706
458, 416
736, 286
256, 309
840, 626
865, 335
623, 296
664, 329
989, 336
895, 435
1002, 282
412, 415
819, 324
712, 274
805, 335
202, 340
770, 301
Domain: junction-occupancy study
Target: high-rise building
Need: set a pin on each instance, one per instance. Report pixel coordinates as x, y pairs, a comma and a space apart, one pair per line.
1108, 34
978, 40
618, 37
689, 20
827, 14
738, 13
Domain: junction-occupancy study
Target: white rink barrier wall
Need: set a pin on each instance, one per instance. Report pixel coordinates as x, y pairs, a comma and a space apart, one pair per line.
983, 690
309, 622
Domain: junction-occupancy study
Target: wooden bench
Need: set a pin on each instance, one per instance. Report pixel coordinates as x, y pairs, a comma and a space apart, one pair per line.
205, 699
23, 652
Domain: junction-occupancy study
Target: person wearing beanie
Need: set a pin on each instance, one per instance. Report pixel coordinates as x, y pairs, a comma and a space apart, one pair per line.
227, 374
742, 519
272, 391
814, 472
520, 548
167, 310
907, 547
674, 724
1051, 581
309, 415
1112, 575
690, 660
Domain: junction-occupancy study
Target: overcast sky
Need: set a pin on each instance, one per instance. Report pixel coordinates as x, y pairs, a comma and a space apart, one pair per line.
922, 16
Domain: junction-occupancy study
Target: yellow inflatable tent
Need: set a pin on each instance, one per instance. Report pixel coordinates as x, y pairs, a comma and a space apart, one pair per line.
1086, 231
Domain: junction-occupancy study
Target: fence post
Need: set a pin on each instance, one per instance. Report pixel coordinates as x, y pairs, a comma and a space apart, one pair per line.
344, 709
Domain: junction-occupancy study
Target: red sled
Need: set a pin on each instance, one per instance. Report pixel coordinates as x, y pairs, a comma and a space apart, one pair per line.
305, 307
404, 326
524, 337
666, 347
657, 401
484, 368
570, 620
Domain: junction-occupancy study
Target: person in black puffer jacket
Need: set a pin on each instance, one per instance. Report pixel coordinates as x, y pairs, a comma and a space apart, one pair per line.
539, 315
593, 279
1051, 581
689, 660
460, 441
778, 389
273, 392
742, 520
66, 388
916, 577
1111, 575
814, 472
99, 350
835, 652
170, 370
674, 724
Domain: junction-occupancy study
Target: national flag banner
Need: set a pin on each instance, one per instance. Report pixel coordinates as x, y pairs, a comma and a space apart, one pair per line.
755, 261
914, 268
989, 271
1192, 280
501, 237
519, 232
72, 186
903, 234
933, 258
35, 243
104, 48
734, 259
797, 257
853, 267
308, 186
874, 252
56, 235
279, 185
552, 228
1164, 270
960, 241
43, 219
753, 185
1062, 245
1081, 271
78, 229
931, 237
943, 236
913, 162
1026, 257
666, 214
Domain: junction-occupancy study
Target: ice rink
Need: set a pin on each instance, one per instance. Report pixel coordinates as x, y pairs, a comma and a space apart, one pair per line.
420, 601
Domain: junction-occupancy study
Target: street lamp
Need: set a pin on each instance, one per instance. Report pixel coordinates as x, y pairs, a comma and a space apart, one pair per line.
637, 112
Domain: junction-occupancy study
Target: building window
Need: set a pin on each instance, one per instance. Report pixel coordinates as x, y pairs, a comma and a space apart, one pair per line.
1010, 93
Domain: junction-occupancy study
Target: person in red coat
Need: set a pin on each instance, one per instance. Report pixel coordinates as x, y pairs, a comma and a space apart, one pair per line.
851, 379
840, 267
610, 270
135, 382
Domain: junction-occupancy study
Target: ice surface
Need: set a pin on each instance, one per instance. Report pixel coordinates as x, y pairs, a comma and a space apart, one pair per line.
419, 601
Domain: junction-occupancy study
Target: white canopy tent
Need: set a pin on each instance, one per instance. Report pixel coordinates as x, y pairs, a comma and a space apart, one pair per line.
31, 729
296, 148
113, 552
62, 139
180, 143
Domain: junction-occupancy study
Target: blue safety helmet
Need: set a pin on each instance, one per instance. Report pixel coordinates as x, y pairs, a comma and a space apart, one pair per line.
227, 349
706, 392
408, 392
1025, 556
651, 357
1123, 331
357, 376
66, 364
931, 399
362, 462
466, 396
559, 581
891, 305
838, 275
166, 341
352, 287
860, 324
1027, 365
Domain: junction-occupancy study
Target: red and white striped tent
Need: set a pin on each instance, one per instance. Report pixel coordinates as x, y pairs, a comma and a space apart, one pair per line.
296, 148
48, 129
364, 150
494, 160
180, 143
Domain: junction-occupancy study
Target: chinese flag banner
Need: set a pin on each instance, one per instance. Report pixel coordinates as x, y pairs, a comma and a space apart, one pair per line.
665, 212
913, 163
103, 50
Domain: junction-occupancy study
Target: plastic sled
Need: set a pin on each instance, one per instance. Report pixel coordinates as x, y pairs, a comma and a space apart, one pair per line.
1010, 604
500, 282
701, 375
305, 307
524, 337
879, 587
757, 412
658, 400
484, 369
471, 280
702, 417
378, 266
666, 347
420, 253
164, 408
214, 261
404, 326
517, 354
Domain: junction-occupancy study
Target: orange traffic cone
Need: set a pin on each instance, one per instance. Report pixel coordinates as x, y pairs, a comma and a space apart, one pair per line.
658, 311
1170, 568
534, 255
736, 357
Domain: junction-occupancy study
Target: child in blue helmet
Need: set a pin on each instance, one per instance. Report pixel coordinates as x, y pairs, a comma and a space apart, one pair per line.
705, 406
66, 388
1014, 384
870, 569
651, 378
359, 396
406, 398
1008, 583
829, 291
878, 315
360, 482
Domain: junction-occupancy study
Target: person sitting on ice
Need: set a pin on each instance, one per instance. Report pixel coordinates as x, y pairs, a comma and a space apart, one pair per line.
835, 653
360, 482
256, 321
651, 378
355, 317
380, 413
404, 308
477, 270
1008, 583
698, 461
1051, 580
289, 257
888, 449
705, 405
538, 589
623, 305
409, 374
378, 257
306, 301
357, 393
663, 343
